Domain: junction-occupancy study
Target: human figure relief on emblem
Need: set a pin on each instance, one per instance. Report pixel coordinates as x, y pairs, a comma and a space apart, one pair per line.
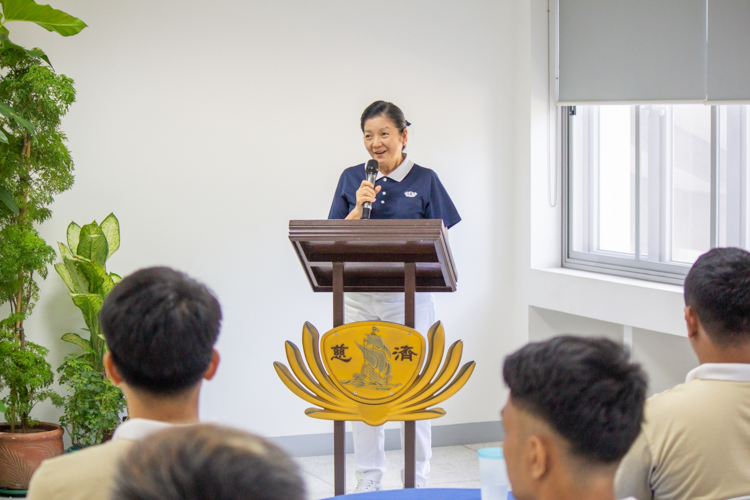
376, 369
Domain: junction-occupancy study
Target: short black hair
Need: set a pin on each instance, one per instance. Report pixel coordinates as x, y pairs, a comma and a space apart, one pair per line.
387, 109
586, 389
206, 462
160, 326
717, 288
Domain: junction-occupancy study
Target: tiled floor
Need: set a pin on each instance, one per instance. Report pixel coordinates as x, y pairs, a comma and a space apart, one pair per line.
450, 467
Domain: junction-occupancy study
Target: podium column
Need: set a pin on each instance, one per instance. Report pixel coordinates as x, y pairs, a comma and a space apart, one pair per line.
339, 435
410, 434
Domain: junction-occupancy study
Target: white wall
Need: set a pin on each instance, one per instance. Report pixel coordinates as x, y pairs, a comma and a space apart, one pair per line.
205, 126
666, 358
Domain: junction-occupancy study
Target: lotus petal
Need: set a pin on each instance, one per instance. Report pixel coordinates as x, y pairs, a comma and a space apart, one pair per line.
420, 415
450, 366
453, 388
296, 361
311, 346
436, 341
289, 381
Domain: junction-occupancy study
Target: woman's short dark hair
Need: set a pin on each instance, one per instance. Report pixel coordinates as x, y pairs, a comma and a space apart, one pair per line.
586, 389
160, 326
206, 462
387, 109
717, 288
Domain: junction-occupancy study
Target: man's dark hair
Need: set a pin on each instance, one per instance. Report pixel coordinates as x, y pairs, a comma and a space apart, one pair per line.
161, 326
206, 462
586, 389
717, 288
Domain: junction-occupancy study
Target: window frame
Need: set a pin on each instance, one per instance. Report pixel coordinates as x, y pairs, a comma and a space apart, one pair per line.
627, 265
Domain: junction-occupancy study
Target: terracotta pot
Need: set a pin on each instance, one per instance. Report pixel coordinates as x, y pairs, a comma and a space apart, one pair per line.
22, 452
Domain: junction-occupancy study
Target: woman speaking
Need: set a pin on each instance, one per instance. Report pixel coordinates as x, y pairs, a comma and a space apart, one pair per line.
402, 190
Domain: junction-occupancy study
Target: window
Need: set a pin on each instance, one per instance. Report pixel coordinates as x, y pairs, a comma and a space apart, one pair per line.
649, 188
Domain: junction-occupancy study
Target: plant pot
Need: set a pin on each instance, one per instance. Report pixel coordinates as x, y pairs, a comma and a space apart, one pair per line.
22, 452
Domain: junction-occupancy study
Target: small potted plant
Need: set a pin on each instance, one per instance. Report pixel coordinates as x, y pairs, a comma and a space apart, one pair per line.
24, 441
93, 407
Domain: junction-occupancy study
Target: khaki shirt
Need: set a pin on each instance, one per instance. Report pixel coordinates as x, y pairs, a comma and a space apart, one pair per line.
88, 474
695, 442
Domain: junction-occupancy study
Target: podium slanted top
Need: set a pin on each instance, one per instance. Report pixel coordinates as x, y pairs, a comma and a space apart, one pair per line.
374, 253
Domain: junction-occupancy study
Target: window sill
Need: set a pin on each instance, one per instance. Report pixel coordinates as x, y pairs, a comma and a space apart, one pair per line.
625, 301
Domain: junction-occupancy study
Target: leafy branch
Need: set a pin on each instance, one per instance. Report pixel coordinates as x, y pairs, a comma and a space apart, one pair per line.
48, 18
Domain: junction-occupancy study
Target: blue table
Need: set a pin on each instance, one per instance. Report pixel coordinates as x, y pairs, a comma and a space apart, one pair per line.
419, 494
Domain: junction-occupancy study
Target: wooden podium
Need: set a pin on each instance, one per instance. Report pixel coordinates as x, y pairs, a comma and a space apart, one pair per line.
375, 256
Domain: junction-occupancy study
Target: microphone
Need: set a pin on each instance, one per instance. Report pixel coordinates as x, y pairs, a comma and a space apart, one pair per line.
372, 172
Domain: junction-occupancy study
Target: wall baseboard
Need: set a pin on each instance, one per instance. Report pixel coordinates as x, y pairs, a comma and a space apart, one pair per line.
310, 445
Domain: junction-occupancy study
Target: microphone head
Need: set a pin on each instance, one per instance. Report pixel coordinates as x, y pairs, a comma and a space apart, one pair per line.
372, 167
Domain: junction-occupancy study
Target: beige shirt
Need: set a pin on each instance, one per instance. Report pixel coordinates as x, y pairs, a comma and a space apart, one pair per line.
695, 442
87, 474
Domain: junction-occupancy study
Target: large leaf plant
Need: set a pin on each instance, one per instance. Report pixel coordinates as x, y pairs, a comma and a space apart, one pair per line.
35, 166
93, 406
84, 271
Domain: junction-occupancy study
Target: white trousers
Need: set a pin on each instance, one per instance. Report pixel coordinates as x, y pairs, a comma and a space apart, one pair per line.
369, 442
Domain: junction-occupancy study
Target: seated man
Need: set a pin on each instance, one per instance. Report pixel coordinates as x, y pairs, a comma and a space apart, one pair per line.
695, 442
207, 462
575, 407
161, 327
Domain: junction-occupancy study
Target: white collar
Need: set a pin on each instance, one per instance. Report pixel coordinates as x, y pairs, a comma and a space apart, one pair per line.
399, 172
728, 372
135, 429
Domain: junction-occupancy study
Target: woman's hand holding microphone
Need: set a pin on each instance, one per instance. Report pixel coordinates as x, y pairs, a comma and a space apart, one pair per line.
366, 192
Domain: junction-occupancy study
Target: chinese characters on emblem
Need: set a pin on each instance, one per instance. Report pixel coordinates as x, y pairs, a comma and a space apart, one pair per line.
405, 352
339, 352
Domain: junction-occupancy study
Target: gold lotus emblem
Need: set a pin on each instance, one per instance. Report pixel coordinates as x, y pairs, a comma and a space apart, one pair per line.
374, 372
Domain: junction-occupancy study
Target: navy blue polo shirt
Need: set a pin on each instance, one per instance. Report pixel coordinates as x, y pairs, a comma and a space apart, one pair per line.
409, 192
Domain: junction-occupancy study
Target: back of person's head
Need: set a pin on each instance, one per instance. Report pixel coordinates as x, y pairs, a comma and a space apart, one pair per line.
207, 462
585, 390
161, 326
717, 288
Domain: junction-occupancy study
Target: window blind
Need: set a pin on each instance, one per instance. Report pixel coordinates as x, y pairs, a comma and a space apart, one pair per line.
633, 51
728, 72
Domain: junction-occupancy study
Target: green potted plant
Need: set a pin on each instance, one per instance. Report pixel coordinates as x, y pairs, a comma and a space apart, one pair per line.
24, 441
35, 165
93, 407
